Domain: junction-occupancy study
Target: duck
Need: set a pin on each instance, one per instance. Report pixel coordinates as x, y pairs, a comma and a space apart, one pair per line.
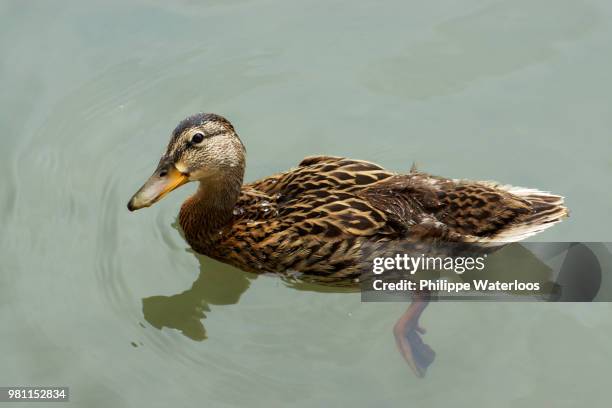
327, 217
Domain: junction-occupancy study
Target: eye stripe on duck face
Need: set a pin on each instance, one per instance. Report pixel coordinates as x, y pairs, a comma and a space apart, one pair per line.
198, 137
195, 137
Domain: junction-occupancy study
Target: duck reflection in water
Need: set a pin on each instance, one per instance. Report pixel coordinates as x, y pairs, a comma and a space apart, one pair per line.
217, 284
326, 217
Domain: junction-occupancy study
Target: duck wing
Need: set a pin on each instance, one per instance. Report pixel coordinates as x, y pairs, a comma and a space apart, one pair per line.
462, 210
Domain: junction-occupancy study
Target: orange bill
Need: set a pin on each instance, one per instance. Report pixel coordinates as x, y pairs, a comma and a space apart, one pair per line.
157, 186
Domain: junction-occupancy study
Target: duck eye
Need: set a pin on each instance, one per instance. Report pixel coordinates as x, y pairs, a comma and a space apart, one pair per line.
197, 138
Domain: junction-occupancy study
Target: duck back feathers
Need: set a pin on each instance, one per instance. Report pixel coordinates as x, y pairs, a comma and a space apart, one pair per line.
318, 217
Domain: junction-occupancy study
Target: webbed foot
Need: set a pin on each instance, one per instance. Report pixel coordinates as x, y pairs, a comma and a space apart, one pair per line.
407, 332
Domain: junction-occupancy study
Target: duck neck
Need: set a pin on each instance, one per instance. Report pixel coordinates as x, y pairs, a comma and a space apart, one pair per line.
204, 214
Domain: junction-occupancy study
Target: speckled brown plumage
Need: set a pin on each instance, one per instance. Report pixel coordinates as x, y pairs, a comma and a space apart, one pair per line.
317, 218
328, 216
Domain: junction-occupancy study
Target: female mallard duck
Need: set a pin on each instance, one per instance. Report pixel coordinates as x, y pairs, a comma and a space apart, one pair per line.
321, 218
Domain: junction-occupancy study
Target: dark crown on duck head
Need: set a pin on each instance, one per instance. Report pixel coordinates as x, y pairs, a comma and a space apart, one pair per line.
199, 119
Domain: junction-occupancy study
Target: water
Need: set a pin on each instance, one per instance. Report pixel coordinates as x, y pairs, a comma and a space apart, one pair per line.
117, 307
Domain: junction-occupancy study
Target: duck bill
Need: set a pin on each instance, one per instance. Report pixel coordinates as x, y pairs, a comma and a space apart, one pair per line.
162, 182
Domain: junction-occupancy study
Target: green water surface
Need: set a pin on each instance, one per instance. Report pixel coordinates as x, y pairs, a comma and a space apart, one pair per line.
115, 305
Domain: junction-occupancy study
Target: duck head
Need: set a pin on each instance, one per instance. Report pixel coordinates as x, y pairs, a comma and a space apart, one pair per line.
203, 147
